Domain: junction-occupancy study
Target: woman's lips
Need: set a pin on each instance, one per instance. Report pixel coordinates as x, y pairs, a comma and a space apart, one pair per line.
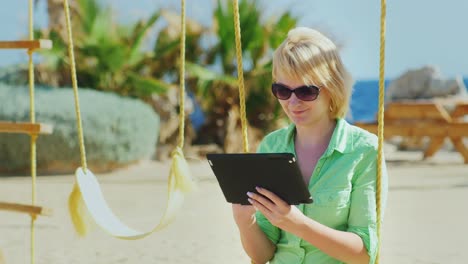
297, 112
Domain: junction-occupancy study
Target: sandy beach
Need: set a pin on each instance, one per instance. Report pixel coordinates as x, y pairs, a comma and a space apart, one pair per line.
425, 220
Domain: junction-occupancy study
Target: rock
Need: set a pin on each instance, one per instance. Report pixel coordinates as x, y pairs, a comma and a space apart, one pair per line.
425, 83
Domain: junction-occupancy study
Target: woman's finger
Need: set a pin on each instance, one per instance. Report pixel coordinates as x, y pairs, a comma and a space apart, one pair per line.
260, 207
273, 197
262, 199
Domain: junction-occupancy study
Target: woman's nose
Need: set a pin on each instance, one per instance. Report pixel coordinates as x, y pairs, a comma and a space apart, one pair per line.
293, 99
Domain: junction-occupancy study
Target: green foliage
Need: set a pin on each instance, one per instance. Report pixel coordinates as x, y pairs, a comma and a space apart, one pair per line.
259, 37
108, 55
207, 79
251, 30
167, 47
117, 130
278, 29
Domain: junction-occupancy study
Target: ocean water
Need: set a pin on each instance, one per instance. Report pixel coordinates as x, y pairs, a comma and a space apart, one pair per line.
365, 98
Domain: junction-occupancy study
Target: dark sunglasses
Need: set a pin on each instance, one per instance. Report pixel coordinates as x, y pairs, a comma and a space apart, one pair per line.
304, 93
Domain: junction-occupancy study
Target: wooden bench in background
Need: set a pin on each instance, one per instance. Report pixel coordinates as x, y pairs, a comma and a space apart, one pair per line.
425, 119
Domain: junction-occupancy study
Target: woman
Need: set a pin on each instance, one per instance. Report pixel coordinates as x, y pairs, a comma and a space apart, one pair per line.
337, 160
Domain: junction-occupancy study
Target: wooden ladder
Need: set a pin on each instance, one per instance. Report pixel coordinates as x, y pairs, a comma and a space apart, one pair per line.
32, 129
25, 127
26, 44
25, 208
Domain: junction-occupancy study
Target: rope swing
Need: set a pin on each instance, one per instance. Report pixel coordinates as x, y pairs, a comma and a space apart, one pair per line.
87, 196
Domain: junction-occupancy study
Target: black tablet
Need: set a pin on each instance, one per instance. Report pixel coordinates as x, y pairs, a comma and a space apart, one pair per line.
240, 173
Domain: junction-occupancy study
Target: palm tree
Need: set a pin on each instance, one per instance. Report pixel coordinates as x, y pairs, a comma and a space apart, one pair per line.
109, 56
218, 89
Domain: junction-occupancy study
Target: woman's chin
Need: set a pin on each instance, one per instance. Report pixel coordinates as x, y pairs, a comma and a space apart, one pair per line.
299, 120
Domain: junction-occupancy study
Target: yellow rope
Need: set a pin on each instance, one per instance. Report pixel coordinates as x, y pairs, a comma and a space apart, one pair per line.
240, 75
77, 209
33, 194
182, 78
32, 117
180, 173
240, 79
75, 86
380, 134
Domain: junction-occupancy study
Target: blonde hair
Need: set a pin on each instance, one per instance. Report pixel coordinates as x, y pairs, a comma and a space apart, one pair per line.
308, 55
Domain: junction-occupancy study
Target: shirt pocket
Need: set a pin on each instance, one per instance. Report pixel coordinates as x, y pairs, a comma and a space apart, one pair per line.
336, 198
330, 207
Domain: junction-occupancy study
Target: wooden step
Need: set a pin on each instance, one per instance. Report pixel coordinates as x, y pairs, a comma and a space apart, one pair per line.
26, 44
25, 128
25, 208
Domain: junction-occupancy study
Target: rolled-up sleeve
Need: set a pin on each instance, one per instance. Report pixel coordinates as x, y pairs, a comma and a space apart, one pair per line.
363, 215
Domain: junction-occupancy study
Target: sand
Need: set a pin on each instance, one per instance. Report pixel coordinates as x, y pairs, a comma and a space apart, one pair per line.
425, 220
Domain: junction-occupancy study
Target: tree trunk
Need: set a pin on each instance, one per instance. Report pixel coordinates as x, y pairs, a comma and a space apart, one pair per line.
233, 142
56, 13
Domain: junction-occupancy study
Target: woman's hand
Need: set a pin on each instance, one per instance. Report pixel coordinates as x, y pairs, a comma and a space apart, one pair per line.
254, 241
244, 215
277, 211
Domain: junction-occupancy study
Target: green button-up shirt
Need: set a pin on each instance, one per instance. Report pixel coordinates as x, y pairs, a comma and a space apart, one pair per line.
343, 186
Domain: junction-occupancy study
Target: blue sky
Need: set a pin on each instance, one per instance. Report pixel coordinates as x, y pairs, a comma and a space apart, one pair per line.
419, 32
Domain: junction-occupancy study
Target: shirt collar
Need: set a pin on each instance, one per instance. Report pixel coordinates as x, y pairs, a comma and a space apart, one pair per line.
341, 140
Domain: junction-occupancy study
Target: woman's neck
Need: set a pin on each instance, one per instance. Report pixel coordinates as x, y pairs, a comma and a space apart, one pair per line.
316, 135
